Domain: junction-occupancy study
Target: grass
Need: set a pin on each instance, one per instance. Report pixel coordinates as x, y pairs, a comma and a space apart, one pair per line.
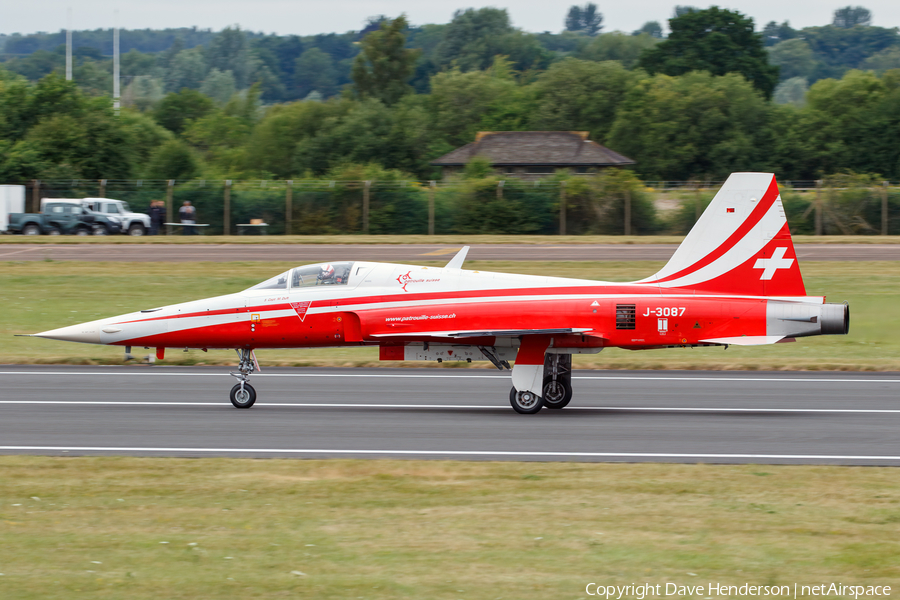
38, 296
539, 240
95, 528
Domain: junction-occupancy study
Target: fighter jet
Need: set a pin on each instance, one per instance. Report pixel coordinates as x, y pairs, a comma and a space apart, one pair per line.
733, 281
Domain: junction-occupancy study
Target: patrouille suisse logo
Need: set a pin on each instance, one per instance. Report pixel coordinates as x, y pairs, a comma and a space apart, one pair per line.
300, 308
407, 278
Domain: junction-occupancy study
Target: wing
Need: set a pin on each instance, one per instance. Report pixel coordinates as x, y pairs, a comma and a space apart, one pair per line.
483, 333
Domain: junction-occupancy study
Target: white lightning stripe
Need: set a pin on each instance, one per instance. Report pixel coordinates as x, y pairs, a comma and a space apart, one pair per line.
753, 242
536, 454
544, 297
158, 372
426, 407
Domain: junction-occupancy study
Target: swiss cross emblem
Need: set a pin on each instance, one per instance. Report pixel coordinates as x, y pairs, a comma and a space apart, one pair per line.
300, 308
771, 265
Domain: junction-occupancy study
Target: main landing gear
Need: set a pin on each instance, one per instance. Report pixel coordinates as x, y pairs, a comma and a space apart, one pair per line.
557, 387
242, 394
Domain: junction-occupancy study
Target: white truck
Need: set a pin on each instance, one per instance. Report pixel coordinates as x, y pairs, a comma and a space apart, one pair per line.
132, 223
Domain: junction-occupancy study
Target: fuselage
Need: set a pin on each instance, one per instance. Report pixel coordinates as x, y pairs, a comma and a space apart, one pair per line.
393, 305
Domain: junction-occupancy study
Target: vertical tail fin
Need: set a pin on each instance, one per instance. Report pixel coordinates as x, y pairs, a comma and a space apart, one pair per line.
740, 245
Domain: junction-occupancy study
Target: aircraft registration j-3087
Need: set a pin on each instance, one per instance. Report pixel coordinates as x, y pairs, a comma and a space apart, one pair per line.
734, 280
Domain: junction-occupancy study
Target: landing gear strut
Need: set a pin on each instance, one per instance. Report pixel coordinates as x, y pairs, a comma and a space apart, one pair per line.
557, 389
242, 394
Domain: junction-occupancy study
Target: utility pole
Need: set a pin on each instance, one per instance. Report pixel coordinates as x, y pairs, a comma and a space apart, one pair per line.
289, 207
116, 64
170, 190
226, 209
562, 208
431, 185
69, 46
627, 212
819, 207
365, 215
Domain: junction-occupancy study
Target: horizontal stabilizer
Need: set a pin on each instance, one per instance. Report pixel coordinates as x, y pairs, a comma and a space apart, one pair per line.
749, 340
482, 333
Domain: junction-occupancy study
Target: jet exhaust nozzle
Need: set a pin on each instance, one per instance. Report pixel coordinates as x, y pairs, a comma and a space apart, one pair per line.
835, 319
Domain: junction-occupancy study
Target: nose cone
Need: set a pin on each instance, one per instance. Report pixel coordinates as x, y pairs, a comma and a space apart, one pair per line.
86, 333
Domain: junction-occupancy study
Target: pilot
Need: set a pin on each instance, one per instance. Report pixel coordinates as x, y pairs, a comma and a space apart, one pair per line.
326, 275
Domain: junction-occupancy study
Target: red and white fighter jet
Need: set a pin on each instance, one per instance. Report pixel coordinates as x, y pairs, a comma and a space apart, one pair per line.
734, 280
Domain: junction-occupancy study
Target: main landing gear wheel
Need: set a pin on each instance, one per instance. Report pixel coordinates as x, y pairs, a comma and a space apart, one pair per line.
557, 394
243, 395
525, 403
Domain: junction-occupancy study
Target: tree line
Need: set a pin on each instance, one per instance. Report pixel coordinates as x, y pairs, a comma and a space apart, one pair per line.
697, 104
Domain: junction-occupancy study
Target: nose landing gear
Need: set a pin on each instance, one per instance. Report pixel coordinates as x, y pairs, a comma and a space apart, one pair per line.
242, 394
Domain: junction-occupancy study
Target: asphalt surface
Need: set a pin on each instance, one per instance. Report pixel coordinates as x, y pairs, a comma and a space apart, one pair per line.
311, 253
462, 414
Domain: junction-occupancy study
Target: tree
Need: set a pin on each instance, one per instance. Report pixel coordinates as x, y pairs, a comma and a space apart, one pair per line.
314, 71
695, 125
651, 28
851, 16
186, 70
229, 51
470, 39
794, 58
178, 108
774, 33
627, 49
462, 104
584, 19
791, 91
581, 95
715, 40
172, 160
887, 59
680, 11
384, 66
219, 85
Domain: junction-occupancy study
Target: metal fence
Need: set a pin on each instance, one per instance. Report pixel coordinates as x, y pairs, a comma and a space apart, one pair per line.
305, 207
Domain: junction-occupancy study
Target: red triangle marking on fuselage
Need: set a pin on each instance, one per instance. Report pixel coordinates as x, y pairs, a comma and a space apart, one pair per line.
300, 308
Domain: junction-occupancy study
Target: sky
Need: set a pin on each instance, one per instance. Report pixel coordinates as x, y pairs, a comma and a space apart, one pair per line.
304, 17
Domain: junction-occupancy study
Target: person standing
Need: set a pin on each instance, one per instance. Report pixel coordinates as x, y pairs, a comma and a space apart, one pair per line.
157, 216
188, 216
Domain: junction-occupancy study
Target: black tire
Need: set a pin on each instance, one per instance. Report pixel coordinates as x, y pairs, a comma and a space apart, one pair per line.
101, 230
82, 231
557, 394
53, 231
31, 229
249, 396
136, 229
525, 403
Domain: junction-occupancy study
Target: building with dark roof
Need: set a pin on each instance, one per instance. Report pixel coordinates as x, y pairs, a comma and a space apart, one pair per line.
534, 154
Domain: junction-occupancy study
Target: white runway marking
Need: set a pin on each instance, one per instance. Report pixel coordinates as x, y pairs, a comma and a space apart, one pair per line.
535, 454
459, 406
434, 376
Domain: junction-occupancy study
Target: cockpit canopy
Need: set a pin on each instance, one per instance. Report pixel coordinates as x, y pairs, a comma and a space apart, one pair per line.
308, 276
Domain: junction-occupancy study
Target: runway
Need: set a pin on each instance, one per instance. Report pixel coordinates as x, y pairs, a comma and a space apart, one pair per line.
412, 253
460, 414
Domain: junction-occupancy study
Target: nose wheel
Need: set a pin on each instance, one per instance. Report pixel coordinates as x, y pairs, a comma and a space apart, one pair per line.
242, 394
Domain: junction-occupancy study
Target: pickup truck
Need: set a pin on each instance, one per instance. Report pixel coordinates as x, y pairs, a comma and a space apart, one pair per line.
131, 223
62, 218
